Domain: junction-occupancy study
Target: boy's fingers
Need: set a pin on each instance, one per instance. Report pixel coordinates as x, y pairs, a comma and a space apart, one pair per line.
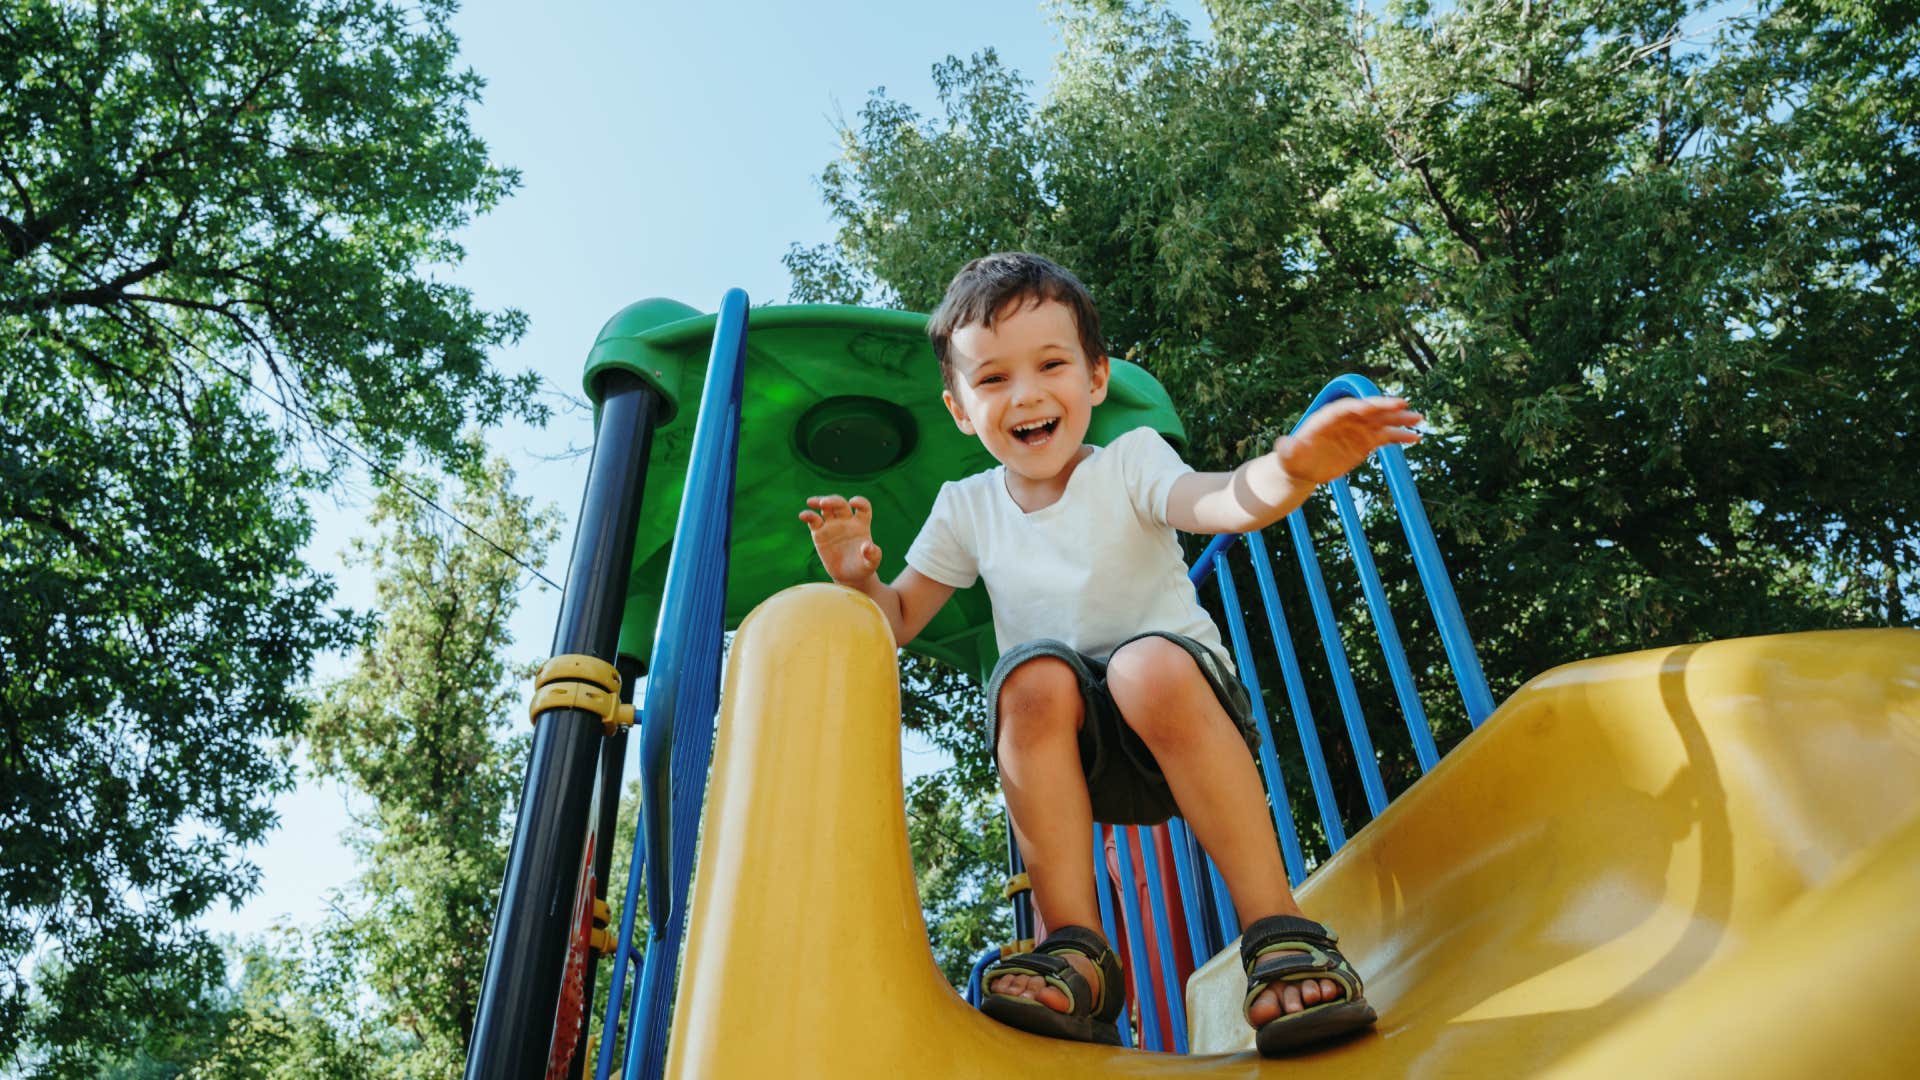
861, 507
812, 519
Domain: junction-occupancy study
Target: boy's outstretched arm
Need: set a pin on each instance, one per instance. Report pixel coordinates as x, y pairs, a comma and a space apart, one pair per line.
843, 535
1331, 443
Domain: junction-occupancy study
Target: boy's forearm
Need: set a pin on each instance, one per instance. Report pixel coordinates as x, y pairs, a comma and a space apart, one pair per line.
1264, 491
1253, 496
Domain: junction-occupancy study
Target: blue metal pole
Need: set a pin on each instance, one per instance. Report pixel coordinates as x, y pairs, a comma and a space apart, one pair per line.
1216, 549
1269, 760
1163, 937
1188, 878
1137, 947
1223, 904
1343, 687
1396, 654
1102, 885
1303, 724
976, 992
683, 684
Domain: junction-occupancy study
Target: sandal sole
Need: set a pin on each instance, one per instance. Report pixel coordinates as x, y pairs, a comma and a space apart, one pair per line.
1037, 1019
1286, 1033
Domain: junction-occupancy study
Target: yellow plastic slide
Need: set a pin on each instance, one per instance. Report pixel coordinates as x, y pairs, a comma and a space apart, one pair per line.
1698, 861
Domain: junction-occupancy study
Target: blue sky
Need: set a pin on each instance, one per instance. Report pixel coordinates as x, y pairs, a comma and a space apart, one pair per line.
666, 149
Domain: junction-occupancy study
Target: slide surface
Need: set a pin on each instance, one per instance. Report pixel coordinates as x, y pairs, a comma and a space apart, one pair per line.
1696, 861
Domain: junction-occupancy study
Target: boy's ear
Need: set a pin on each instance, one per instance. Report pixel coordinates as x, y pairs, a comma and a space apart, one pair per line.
1101, 372
959, 414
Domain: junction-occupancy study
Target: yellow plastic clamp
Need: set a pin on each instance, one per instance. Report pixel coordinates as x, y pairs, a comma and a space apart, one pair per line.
603, 941
614, 716
578, 667
602, 914
1018, 883
1024, 945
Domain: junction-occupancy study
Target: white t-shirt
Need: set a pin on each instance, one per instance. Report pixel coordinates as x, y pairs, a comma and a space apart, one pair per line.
1097, 567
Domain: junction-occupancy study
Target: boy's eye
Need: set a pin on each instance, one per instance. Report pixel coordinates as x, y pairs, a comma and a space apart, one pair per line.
992, 379
1049, 365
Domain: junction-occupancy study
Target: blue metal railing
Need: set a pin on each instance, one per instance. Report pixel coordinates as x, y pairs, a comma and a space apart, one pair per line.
682, 698
1220, 925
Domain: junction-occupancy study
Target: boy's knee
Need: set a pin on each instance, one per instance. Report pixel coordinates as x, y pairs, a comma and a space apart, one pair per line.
1039, 699
1149, 679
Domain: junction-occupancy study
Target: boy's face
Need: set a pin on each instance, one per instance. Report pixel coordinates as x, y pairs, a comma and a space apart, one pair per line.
1026, 387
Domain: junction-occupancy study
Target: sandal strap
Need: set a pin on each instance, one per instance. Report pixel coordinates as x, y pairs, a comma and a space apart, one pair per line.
1055, 970
1074, 939
1047, 962
1285, 948
1283, 930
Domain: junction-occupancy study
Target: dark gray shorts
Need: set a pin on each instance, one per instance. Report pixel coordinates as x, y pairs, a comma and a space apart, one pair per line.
1125, 783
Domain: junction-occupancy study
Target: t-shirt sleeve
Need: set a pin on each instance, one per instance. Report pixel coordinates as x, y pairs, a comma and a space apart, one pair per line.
1149, 467
941, 551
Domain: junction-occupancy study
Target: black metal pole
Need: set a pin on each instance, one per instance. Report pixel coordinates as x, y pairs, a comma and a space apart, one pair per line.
513, 1026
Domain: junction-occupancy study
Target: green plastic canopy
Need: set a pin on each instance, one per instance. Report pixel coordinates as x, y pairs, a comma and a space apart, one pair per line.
838, 400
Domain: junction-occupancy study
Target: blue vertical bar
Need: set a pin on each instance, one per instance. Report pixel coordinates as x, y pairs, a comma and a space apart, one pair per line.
1396, 655
1163, 937
1190, 889
623, 955
1203, 888
1337, 661
1438, 585
1223, 904
1137, 947
1269, 761
683, 685
1303, 725
1215, 550
975, 991
1102, 887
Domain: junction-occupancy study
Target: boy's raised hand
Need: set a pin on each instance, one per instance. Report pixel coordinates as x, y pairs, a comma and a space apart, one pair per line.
1339, 436
843, 535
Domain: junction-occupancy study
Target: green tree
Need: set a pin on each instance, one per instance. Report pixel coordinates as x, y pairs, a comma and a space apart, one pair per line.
423, 729
958, 836
1648, 267
219, 226
294, 1015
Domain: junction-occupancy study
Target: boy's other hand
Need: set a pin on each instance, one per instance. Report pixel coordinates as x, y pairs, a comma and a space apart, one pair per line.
1337, 438
843, 535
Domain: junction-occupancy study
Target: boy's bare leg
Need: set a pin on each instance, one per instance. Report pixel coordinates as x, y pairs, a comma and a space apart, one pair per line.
1039, 716
1165, 699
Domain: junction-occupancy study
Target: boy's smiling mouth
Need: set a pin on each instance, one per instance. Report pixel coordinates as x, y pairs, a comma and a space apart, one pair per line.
1036, 432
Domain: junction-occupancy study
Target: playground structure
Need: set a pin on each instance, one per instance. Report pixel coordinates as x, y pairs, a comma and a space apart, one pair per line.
1687, 861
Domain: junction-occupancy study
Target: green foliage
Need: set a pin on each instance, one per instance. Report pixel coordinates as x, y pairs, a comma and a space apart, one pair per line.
1649, 268
294, 1015
204, 209
956, 826
423, 728
958, 837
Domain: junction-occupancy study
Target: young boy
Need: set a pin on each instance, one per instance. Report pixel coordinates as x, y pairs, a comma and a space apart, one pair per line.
1114, 699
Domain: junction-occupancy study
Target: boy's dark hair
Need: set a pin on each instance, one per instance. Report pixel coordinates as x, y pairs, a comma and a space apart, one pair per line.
989, 287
